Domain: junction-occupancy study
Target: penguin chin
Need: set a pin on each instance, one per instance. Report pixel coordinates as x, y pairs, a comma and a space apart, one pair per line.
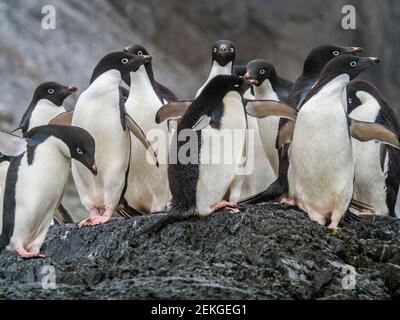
253, 82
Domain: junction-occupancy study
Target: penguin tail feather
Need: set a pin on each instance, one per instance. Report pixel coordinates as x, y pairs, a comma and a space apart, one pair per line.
126, 211
62, 215
273, 192
159, 225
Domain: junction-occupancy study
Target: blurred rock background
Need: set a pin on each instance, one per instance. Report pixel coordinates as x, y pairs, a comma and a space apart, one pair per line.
179, 35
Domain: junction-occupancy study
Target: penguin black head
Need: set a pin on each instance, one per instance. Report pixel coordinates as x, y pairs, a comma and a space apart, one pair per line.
54, 92
220, 85
347, 64
320, 56
80, 143
359, 91
136, 49
223, 52
121, 61
258, 71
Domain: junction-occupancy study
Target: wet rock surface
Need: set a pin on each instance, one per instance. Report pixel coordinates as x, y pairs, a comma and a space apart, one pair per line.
265, 252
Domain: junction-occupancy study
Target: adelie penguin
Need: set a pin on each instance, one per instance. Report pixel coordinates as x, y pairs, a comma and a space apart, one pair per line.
223, 56
101, 111
32, 194
377, 165
164, 94
313, 65
198, 185
321, 169
147, 189
47, 104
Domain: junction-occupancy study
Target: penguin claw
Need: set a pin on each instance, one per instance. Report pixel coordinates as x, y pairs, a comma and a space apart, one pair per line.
232, 207
30, 255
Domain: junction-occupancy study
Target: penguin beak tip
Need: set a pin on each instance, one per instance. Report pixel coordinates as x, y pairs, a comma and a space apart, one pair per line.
94, 169
147, 59
355, 50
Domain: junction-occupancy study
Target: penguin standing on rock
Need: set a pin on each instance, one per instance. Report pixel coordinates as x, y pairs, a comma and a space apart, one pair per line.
197, 185
32, 194
377, 166
313, 65
101, 111
223, 57
321, 169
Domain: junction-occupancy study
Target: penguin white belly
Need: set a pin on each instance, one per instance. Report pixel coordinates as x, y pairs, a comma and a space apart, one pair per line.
38, 192
101, 118
3, 175
44, 111
148, 189
321, 166
369, 178
225, 146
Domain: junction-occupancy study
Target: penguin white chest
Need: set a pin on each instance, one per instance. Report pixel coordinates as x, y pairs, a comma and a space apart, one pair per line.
321, 166
44, 111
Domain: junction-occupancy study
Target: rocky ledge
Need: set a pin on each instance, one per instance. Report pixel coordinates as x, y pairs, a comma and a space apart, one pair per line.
265, 252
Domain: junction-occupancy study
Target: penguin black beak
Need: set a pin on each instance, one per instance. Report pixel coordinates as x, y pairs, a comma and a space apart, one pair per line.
93, 169
374, 60
126, 50
147, 59
354, 50
250, 80
223, 50
71, 90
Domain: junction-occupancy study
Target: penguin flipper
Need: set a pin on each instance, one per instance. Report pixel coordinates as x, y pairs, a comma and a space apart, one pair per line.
63, 119
266, 108
174, 109
62, 216
11, 145
140, 135
285, 134
366, 131
159, 225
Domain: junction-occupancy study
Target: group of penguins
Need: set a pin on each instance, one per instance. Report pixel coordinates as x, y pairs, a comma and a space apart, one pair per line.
327, 144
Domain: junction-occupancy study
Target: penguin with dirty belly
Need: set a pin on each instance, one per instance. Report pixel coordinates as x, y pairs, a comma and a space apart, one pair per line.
377, 165
197, 183
321, 168
101, 111
31, 193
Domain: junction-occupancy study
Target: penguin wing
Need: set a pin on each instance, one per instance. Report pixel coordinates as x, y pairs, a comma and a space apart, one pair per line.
171, 110
140, 135
203, 122
63, 119
366, 131
267, 108
166, 93
285, 134
11, 145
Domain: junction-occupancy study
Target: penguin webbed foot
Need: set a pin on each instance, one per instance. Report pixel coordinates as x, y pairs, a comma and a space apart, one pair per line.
30, 255
232, 207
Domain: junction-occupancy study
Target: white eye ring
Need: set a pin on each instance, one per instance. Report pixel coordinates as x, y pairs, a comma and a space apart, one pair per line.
262, 71
336, 53
51, 91
215, 49
140, 53
353, 63
125, 60
350, 100
79, 151
236, 85
231, 50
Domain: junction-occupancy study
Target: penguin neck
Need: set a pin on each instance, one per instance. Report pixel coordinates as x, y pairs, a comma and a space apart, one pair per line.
265, 91
143, 86
330, 87
368, 110
108, 81
216, 70
44, 111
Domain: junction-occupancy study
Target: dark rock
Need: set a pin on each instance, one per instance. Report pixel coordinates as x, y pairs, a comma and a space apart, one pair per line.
273, 254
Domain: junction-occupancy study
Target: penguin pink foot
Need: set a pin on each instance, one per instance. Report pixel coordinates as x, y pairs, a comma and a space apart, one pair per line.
365, 213
287, 202
230, 206
30, 255
106, 217
94, 212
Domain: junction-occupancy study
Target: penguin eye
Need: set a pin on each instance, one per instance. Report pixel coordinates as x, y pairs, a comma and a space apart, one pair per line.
125, 60
140, 53
262, 71
79, 151
353, 63
232, 50
350, 100
215, 50
51, 91
336, 53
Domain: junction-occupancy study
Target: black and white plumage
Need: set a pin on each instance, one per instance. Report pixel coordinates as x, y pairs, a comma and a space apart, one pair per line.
377, 165
36, 179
